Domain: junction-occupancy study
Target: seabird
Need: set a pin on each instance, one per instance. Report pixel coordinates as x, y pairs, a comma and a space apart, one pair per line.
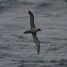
33, 31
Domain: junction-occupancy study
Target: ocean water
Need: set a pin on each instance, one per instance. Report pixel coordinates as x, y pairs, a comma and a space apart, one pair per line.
18, 49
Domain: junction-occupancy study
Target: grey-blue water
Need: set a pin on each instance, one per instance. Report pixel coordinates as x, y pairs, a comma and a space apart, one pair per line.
18, 49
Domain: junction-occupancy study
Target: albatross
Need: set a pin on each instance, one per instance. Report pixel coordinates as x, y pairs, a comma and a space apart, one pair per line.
33, 31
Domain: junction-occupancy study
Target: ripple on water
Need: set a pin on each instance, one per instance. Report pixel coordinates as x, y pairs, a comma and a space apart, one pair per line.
45, 4
59, 63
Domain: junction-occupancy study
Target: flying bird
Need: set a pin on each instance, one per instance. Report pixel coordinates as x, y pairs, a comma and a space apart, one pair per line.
33, 31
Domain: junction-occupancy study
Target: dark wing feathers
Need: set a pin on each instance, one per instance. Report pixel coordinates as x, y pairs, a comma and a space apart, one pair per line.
37, 42
31, 19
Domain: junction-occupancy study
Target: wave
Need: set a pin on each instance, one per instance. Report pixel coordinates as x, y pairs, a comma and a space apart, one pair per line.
61, 62
57, 38
65, 0
43, 61
45, 4
51, 63
7, 3
10, 3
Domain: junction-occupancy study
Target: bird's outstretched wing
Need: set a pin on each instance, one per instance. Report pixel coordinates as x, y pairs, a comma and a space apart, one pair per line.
37, 42
31, 19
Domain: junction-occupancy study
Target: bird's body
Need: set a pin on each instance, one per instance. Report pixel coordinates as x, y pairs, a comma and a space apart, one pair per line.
33, 31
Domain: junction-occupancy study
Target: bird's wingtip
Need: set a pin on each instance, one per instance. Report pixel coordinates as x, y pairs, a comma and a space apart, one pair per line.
30, 12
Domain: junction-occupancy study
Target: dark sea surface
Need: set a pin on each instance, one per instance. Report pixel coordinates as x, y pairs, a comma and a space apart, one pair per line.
18, 49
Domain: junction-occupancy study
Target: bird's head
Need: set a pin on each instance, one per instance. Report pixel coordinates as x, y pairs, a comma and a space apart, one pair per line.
39, 29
